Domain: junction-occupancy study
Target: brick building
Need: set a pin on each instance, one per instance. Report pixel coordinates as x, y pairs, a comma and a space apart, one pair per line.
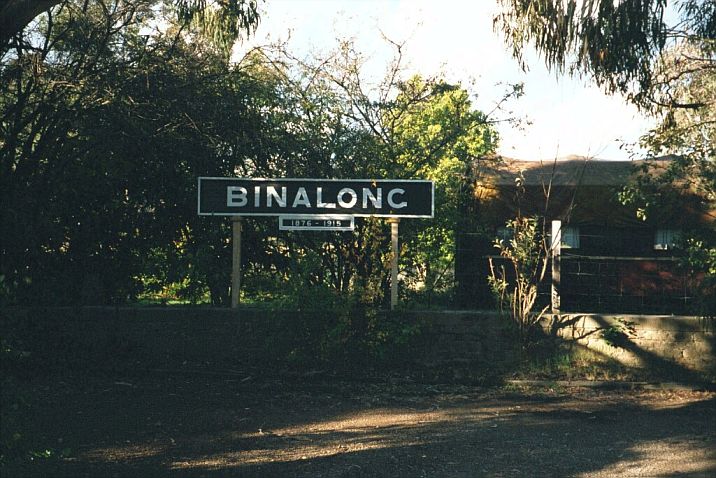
612, 260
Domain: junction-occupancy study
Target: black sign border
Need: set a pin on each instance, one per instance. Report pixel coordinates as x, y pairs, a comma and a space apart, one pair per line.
303, 213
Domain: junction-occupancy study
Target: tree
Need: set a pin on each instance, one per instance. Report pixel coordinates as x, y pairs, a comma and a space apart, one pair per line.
438, 138
617, 43
16, 14
103, 134
222, 20
105, 129
402, 127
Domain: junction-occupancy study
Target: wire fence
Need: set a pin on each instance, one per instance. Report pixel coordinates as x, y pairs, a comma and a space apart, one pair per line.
604, 274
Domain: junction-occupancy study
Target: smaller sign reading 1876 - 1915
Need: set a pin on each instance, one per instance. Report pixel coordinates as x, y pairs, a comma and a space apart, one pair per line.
279, 197
316, 223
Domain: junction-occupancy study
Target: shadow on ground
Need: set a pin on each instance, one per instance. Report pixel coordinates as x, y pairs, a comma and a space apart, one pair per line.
219, 427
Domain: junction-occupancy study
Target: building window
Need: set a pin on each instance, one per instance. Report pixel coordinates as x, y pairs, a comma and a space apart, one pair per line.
665, 239
570, 237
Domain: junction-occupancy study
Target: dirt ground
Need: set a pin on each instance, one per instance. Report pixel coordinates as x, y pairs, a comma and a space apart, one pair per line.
165, 425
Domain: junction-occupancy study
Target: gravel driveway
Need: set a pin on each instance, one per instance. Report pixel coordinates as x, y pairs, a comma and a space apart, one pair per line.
218, 426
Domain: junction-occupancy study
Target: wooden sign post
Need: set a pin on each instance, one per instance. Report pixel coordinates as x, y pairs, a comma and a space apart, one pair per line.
394, 222
236, 227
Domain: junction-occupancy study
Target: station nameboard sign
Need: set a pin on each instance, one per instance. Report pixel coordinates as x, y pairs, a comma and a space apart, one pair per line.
284, 197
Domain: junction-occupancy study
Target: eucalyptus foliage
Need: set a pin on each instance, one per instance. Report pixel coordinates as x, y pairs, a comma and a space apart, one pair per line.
223, 21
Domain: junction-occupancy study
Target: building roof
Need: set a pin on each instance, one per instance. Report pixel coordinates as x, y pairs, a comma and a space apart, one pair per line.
568, 171
583, 190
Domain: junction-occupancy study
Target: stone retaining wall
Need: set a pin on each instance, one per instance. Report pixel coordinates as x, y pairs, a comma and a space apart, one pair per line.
643, 340
206, 337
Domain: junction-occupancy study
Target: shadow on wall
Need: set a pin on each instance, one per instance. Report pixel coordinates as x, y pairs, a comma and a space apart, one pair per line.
680, 348
477, 347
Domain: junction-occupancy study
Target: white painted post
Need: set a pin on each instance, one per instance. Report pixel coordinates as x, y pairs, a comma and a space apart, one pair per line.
556, 249
394, 262
236, 226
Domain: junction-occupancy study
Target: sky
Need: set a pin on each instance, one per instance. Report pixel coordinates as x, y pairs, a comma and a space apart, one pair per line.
566, 116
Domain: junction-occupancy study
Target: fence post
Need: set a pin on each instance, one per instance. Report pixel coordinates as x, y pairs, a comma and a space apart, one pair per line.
556, 249
236, 224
